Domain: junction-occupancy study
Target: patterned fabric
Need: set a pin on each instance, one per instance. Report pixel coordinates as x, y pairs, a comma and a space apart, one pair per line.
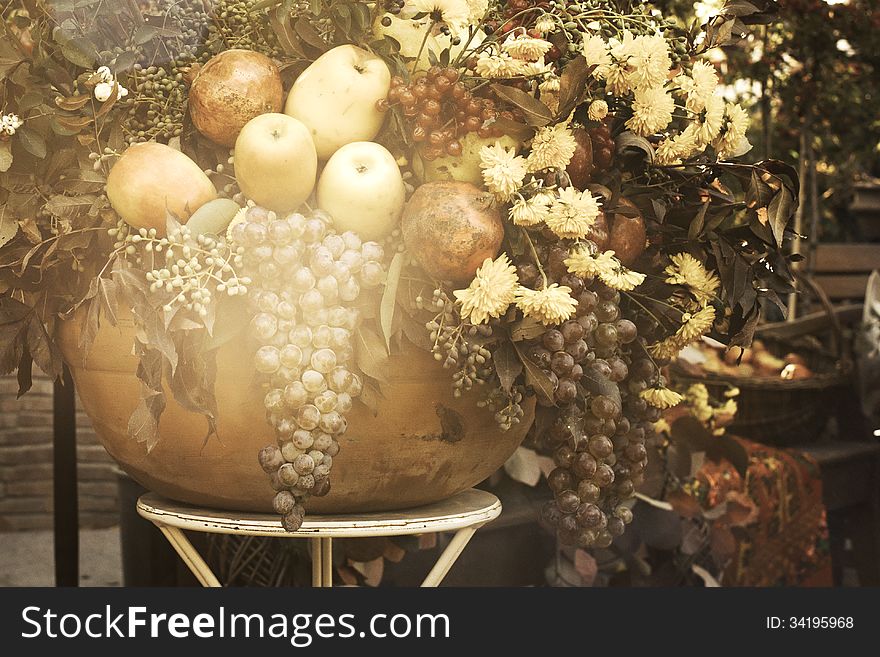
775, 529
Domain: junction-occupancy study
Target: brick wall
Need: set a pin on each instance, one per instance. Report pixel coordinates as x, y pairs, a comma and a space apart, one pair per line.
26, 463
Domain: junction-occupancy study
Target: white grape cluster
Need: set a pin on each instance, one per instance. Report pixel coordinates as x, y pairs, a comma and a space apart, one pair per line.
305, 279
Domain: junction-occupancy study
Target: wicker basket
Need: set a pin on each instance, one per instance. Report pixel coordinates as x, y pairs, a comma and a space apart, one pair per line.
783, 412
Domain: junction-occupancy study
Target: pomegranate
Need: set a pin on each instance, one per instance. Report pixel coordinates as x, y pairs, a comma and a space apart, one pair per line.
627, 235
231, 89
450, 227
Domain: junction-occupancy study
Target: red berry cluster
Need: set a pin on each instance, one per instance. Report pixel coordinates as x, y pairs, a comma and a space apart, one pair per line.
440, 110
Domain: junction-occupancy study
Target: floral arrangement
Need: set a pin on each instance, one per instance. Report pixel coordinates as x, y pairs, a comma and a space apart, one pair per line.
558, 213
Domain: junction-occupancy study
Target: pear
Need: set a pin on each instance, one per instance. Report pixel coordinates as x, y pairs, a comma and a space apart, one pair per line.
150, 180
336, 98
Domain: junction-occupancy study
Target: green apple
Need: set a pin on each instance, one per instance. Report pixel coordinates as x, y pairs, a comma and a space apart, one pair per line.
336, 97
275, 162
362, 189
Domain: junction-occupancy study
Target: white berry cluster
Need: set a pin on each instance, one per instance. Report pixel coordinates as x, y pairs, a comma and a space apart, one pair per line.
104, 89
9, 123
195, 266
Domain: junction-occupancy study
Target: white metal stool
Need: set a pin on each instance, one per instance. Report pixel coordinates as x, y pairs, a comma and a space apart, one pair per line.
464, 514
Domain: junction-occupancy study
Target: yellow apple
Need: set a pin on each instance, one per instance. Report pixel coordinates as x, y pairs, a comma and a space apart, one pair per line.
465, 167
336, 96
150, 180
362, 189
275, 162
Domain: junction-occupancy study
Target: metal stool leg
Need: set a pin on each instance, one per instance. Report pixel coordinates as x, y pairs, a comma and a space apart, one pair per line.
317, 562
450, 555
191, 558
327, 562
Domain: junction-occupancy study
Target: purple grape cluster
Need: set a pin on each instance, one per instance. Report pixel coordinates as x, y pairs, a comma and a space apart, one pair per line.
595, 366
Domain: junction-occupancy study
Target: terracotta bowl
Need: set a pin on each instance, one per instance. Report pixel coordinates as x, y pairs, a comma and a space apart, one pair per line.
422, 445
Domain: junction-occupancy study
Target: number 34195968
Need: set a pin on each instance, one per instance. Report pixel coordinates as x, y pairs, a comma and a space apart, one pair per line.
809, 622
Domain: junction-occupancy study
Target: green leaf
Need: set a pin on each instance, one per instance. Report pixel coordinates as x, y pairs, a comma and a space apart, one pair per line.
535, 376
513, 128
599, 385
144, 34
370, 354
309, 34
758, 193
536, 113
528, 328
572, 84
8, 224
779, 212
5, 158
81, 181
507, 365
125, 61
80, 52
29, 101
233, 320
32, 142
371, 395
389, 297
10, 58
68, 207
697, 223
42, 349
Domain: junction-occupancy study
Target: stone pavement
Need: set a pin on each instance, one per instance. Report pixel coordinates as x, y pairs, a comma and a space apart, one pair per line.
26, 558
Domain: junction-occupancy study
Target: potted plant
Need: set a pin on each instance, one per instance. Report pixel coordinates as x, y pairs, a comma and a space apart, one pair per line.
307, 220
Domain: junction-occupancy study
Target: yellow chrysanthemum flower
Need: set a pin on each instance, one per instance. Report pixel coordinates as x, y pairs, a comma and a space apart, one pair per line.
733, 132
713, 118
595, 51
503, 170
545, 24
652, 111
690, 272
696, 325
666, 349
550, 306
693, 326
573, 213
648, 62
478, 9
501, 65
583, 263
552, 148
532, 211
491, 292
605, 267
622, 279
525, 47
699, 86
661, 397
598, 110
